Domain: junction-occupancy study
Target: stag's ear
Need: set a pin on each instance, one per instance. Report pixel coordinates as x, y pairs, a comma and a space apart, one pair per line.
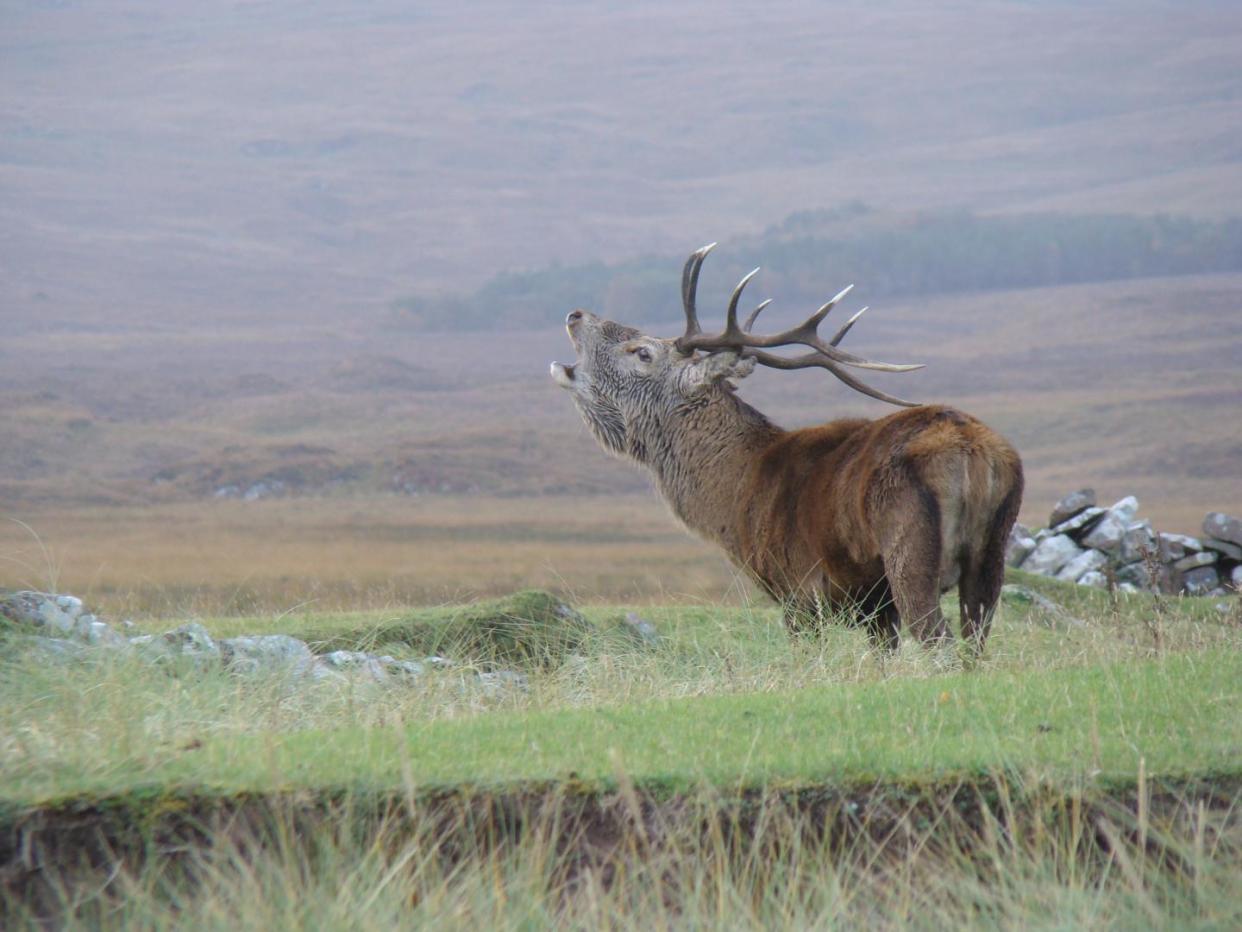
707, 370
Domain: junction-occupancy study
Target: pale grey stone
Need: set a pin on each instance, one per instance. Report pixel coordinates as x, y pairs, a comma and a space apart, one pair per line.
1083, 521
1051, 554
261, 653
1175, 546
1232, 551
322, 673
1086, 562
407, 669
1047, 611
1019, 545
642, 629
191, 639
1193, 560
503, 682
1107, 533
343, 659
1138, 541
1223, 527
1127, 587
1125, 508
71, 605
1135, 574
1094, 579
55, 649
1071, 505
1236, 578
436, 662
90, 629
1200, 581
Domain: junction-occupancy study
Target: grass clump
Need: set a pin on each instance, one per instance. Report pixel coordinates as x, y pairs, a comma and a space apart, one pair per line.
531, 628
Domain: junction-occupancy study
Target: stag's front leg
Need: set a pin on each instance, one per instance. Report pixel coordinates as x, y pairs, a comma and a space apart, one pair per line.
878, 611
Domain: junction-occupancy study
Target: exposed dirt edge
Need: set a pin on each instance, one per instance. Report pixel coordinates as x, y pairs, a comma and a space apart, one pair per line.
589, 827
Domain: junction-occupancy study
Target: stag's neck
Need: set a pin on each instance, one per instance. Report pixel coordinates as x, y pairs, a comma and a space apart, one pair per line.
704, 459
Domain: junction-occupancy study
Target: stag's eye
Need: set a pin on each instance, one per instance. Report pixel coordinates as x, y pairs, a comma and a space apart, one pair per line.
643, 354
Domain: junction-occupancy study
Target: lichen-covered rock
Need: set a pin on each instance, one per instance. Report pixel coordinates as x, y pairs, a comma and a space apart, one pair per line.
1071, 505
1223, 527
380, 668
191, 639
266, 652
1201, 581
1086, 562
408, 670
1051, 555
56, 613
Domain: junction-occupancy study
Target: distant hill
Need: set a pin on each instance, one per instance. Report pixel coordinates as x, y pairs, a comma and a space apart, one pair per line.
887, 254
164, 162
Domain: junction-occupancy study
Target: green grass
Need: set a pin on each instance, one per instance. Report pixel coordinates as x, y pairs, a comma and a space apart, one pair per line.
268, 788
727, 698
1181, 716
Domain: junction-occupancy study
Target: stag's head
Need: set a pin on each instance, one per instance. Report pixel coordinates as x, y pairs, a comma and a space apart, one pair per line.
624, 379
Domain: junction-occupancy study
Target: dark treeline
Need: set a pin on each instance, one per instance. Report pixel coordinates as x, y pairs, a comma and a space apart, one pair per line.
812, 253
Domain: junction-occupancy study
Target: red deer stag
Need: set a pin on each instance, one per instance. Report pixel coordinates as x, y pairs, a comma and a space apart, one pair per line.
874, 519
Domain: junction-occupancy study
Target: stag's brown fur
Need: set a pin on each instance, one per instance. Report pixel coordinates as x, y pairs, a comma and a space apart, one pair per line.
875, 518
883, 516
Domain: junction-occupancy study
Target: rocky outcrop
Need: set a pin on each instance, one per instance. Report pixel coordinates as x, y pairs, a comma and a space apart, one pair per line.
58, 628
1099, 547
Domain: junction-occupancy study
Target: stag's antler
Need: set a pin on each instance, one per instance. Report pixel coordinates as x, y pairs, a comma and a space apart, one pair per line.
824, 355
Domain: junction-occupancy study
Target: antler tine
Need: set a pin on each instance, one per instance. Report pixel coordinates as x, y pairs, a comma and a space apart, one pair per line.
816, 360
690, 285
814, 320
845, 328
824, 354
750, 321
731, 327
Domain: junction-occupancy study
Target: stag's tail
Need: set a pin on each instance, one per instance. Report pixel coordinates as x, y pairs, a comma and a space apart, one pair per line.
992, 476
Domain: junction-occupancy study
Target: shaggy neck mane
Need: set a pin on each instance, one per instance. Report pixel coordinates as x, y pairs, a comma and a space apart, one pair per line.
701, 454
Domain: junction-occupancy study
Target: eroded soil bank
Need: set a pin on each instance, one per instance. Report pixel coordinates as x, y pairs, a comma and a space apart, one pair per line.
49, 852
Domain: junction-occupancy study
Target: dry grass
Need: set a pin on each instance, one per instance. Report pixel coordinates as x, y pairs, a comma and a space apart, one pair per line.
1021, 863
220, 558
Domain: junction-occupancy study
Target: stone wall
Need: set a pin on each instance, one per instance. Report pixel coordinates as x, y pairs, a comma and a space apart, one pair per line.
1095, 546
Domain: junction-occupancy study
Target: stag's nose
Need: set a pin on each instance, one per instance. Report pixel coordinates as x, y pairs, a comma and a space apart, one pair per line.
573, 317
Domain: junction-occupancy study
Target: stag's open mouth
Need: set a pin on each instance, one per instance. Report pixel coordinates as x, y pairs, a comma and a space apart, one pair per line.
563, 375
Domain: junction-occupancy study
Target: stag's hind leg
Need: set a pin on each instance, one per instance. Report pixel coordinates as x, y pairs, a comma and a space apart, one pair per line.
910, 546
983, 575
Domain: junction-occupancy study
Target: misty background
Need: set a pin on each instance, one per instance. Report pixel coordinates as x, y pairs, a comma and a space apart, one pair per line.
323, 249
